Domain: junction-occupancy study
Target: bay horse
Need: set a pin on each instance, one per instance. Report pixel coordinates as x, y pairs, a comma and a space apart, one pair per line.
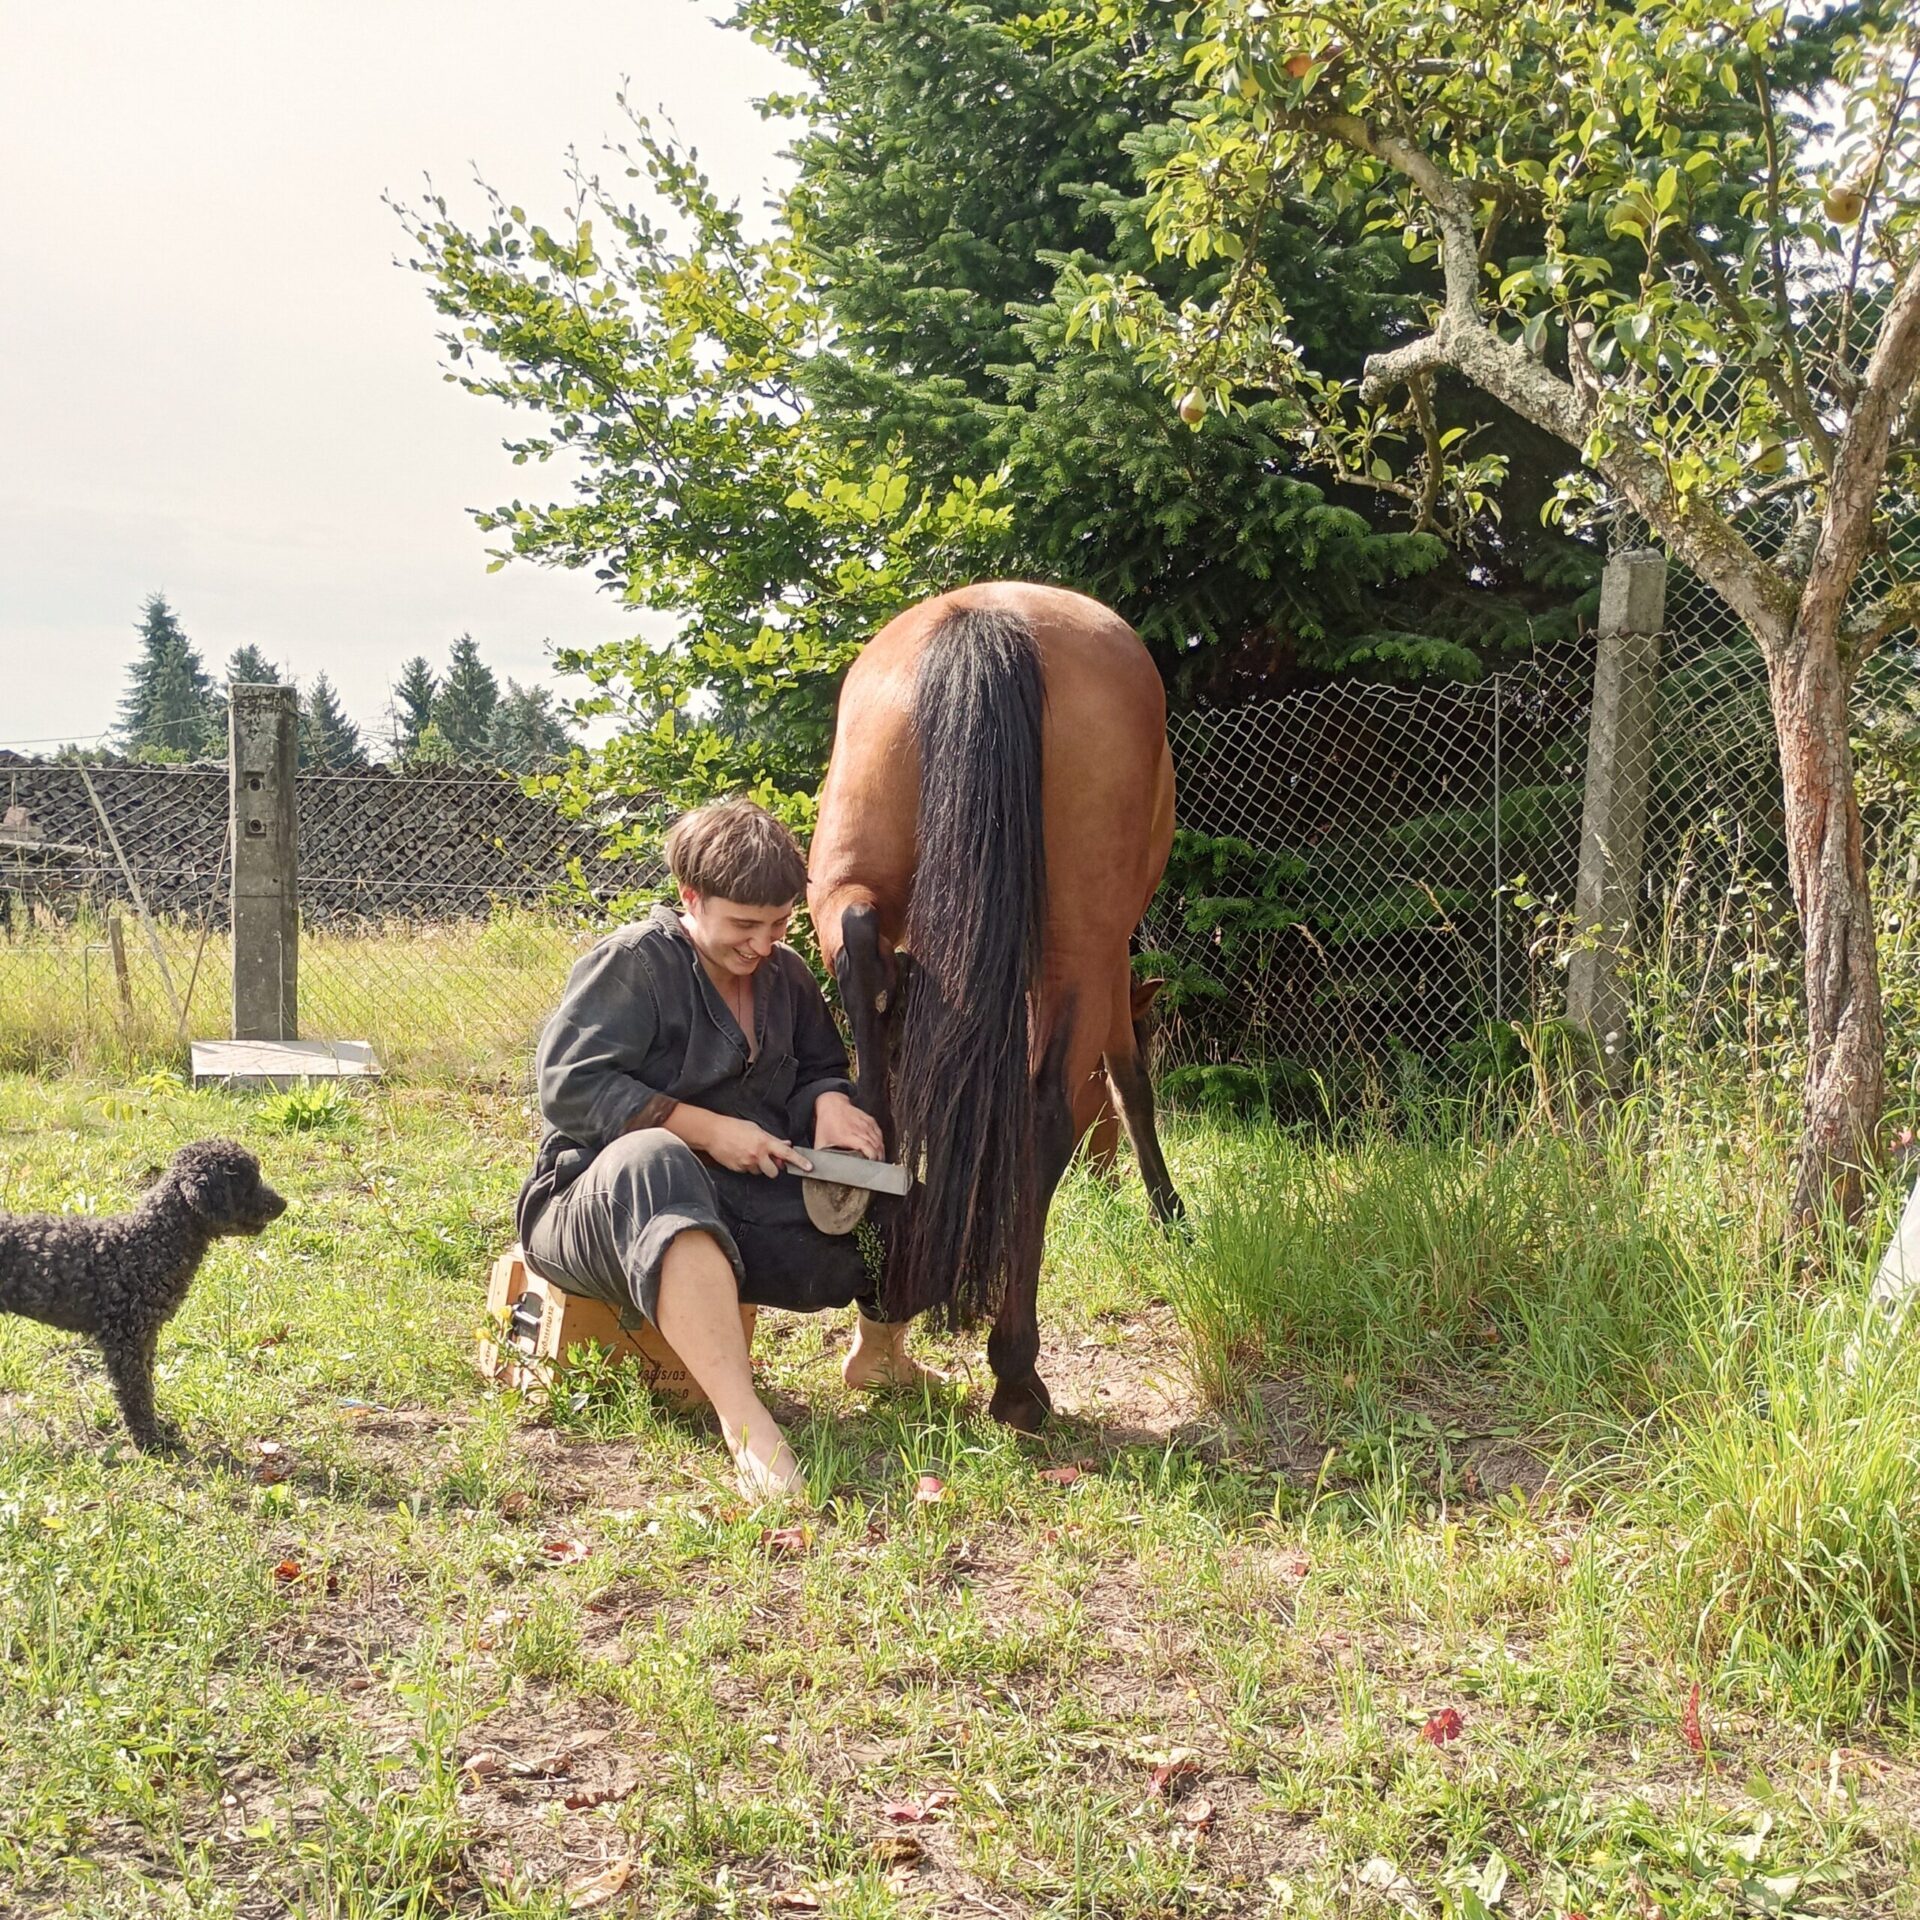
996, 815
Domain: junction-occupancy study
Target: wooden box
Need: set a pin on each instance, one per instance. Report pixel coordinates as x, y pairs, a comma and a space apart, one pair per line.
533, 1327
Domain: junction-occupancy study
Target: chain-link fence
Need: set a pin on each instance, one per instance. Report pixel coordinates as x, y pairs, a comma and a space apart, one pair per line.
1370, 883
1368, 878
439, 915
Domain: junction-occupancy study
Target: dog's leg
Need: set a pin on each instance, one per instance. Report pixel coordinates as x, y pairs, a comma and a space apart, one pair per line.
129, 1357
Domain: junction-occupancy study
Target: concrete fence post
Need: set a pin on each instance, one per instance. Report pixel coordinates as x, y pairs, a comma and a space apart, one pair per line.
266, 863
1613, 820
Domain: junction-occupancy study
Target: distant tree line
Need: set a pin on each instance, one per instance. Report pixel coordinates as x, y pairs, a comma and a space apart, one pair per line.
174, 709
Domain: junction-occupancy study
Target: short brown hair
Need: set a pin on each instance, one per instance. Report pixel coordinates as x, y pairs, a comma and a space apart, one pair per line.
737, 850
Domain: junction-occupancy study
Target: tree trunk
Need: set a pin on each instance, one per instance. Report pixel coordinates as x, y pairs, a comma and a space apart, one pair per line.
1827, 862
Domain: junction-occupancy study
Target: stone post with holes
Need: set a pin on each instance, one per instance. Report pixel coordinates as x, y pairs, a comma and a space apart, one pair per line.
262, 747
1613, 821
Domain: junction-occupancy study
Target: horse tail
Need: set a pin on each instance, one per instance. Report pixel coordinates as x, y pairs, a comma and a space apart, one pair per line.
975, 921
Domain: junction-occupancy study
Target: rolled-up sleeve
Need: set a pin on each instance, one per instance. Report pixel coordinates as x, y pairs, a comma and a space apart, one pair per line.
588, 1068
820, 1057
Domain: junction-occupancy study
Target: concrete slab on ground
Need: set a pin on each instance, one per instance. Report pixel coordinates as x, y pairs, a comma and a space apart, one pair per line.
280, 1064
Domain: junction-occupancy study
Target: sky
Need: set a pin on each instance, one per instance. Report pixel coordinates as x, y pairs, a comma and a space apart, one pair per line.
216, 384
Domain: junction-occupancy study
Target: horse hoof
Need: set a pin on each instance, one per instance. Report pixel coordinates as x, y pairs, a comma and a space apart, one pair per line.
1022, 1405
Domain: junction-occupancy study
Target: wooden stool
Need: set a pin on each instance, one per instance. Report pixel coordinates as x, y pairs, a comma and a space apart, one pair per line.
534, 1326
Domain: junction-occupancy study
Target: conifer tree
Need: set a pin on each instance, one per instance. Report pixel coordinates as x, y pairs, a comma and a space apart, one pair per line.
464, 707
246, 666
329, 741
412, 710
165, 713
527, 732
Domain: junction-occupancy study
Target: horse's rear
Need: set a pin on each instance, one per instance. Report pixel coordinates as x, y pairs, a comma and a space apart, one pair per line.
1012, 860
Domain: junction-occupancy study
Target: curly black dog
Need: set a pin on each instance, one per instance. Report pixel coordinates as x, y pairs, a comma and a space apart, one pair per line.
122, 1279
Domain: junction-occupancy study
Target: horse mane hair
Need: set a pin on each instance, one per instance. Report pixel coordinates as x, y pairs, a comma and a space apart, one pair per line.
975, 920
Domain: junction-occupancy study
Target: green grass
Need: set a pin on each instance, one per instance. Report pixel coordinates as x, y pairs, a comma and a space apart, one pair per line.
443, 1002
1538, 1429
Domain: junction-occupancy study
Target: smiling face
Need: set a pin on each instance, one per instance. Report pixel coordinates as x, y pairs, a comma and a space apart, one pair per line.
732, 937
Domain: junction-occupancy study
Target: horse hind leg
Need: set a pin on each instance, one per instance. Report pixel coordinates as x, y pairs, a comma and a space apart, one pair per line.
1132, 1088
1101, 1148
1020, 1396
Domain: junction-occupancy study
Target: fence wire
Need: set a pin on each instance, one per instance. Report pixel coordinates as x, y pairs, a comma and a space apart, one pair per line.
439, 915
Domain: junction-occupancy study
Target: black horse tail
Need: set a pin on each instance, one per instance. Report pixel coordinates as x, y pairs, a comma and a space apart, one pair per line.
975, 920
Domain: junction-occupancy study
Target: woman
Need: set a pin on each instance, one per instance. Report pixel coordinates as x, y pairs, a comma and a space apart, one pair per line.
689, 1053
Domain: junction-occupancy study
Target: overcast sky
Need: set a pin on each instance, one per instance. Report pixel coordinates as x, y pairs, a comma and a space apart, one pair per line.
215, 383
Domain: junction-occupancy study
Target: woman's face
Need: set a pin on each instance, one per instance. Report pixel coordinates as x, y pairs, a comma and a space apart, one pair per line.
731, 936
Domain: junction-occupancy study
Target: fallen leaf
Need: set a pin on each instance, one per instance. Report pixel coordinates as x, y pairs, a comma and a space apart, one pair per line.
1296, 1566
1444, 1726
1690, 1729
563, 1553
1181, 1763
596, 1889
1060, 1476
483, 1763
792, 1900
1198, 1814
288, 1571
786, 1542
579, 1799
1381, 1873
898, 1850
930, 1489
940, 1798
905, 1812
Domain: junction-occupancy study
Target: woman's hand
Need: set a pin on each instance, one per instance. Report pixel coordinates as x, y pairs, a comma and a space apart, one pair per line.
738, 1145
837, 1122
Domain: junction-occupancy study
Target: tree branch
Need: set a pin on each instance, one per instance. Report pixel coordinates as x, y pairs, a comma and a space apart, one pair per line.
1863, 631
1463, 339
1783, 299
1790, 393
1421, 391
1846, 524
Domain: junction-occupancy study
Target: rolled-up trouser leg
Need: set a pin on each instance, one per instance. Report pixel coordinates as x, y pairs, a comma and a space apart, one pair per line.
608, 1233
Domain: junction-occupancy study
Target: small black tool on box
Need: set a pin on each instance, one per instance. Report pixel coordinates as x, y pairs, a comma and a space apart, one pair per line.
841, 1186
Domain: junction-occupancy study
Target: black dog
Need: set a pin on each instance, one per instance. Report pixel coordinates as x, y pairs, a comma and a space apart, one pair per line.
121, 1280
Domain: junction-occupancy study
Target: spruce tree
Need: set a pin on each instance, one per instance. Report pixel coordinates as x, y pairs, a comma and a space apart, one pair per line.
329, 741
463, 709
527, 732
248, 667
952, 240
413, 697
166, 712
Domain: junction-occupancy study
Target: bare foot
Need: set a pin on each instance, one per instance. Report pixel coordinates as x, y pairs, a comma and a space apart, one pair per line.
879, 1359
764, 1466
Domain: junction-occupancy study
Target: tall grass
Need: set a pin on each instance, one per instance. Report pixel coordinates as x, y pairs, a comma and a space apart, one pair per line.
1622, 1288
1789, 1482
457, 1001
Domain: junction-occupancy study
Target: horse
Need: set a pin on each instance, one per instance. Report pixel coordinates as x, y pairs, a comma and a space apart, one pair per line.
997, 812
